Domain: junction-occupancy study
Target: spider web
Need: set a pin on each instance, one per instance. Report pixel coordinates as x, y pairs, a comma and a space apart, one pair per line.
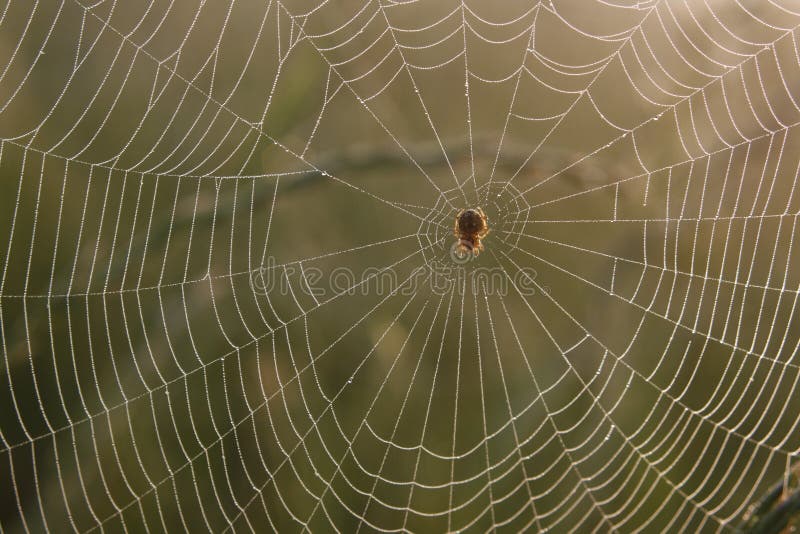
228, 299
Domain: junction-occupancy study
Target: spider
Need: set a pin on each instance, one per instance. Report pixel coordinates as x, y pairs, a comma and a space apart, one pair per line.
471, 226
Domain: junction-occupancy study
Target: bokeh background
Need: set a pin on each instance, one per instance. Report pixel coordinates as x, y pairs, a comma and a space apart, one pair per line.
626, 359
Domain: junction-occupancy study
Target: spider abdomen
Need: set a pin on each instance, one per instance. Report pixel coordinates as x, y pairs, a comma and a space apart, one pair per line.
471, 226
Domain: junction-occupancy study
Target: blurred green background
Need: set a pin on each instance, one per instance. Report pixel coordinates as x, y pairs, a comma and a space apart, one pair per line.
158, 157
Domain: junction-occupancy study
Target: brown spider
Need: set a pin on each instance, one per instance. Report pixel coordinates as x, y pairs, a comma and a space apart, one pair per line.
471, 226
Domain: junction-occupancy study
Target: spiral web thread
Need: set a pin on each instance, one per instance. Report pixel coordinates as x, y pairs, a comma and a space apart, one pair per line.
640, 373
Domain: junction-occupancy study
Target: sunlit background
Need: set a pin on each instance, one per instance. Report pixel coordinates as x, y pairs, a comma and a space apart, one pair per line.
228, 299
